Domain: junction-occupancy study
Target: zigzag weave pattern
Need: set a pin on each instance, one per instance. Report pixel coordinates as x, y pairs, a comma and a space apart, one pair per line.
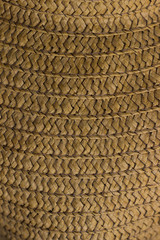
80, 119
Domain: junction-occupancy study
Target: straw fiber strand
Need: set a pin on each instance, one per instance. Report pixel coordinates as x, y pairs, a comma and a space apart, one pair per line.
79, 120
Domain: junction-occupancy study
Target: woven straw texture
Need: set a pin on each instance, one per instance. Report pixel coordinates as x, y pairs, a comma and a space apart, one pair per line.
79, 119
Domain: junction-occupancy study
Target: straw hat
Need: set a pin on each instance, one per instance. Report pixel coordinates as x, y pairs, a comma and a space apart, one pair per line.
79, 119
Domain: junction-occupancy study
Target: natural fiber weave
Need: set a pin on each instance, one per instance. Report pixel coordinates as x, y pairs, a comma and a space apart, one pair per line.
79, 119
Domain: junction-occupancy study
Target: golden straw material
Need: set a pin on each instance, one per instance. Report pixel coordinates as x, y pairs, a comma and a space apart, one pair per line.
80, 119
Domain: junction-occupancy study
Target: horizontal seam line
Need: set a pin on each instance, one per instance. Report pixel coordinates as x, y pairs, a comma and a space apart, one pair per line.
82, 196
48, 94
73, 55
85, 97
81, 34
126, 134
80, 232
65, 136
85, 16
78, 156
85, 56
85, 117
80, 177
102, 193
93, 213
42, 73
49, 156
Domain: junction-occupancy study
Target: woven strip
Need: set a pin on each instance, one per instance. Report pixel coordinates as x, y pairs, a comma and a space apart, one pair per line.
79, 120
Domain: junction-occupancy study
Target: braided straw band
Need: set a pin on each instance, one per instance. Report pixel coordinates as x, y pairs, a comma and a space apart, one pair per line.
79, 120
